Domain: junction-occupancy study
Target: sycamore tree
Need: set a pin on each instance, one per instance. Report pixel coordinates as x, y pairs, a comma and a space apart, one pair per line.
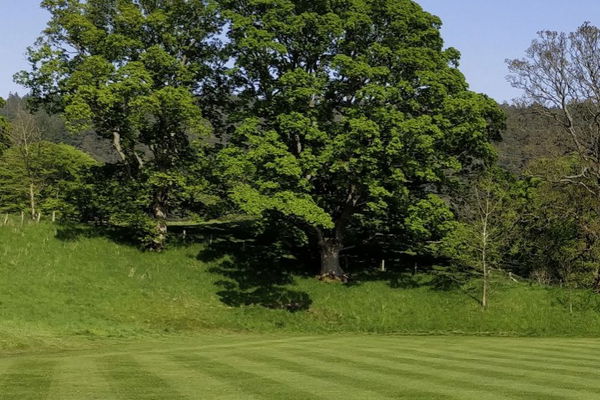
134, 71
350, 111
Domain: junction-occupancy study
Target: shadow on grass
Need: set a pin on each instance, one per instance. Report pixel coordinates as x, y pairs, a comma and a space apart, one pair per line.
256, 272
401, 272
414, 273
70, 232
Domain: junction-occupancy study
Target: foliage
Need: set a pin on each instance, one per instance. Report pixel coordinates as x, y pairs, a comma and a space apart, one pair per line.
109, 197
482, 240
132, 72
350, 111
52, 128
4, 130
52, 171
529, 135
560, 230
559, 77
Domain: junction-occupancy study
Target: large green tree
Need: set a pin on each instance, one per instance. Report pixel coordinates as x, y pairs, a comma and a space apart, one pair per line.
351, 112
135, 72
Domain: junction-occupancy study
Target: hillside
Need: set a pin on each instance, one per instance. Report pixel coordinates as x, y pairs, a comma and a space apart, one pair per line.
63, 287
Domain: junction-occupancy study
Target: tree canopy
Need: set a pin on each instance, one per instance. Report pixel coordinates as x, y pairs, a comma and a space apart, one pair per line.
132, 71
351, 113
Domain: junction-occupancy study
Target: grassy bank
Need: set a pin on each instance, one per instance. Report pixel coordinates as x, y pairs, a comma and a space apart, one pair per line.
62, 288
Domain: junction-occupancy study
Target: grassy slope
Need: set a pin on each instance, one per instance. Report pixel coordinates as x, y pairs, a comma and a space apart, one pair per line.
64, 292
351, 367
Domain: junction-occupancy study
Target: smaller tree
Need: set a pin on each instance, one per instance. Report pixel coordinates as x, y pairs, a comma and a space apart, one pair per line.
25, 137
483, 235
40, 177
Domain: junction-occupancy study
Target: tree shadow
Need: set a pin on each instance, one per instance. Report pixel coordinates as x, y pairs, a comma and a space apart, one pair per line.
400, 272
256, 271
411, 272
71, 232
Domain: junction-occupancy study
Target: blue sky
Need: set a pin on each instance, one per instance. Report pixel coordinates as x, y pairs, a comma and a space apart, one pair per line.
20, 24
485, 31
489, 31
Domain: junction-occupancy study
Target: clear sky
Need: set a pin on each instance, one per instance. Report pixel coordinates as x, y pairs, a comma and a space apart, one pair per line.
21, 22
485, 31
489, 31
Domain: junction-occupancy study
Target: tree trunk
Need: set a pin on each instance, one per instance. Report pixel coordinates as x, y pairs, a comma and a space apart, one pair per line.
596, 285
330, 257
486, 212
32, 199
484, 296
159, 213
160, 234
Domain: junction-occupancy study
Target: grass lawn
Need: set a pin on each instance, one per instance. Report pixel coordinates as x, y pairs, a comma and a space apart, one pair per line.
311, 367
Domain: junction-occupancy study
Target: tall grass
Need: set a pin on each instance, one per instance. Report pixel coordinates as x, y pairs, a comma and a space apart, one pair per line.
56, 286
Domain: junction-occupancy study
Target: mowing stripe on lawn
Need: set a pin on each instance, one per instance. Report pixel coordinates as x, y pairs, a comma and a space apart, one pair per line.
79, 378
467, 385
531, 360
27, 380
505, 362
353, 379
410, 376
555, 345
242, 344
263, 380
129, 380
514, 354
542, 363
585, 345
508, 366
489, 368
160, 348
425, 356
426, 372
550, 353
192, 382
490, 355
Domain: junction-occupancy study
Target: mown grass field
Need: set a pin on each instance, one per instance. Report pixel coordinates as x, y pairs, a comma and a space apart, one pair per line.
312, 367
